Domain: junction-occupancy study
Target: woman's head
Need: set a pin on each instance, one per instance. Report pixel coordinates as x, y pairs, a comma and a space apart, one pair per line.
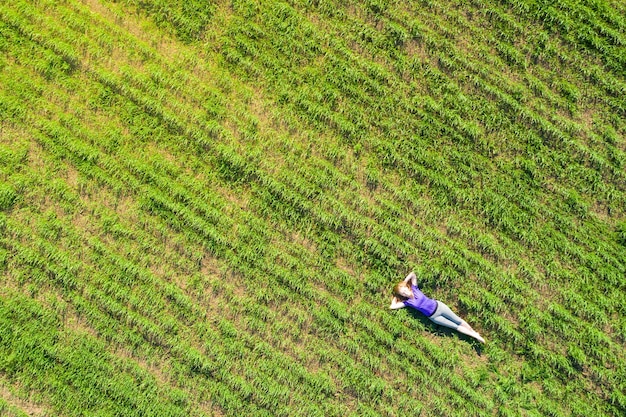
403, 290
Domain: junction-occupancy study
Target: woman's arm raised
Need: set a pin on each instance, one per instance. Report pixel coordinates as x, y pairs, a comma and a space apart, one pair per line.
411, 277
396, 304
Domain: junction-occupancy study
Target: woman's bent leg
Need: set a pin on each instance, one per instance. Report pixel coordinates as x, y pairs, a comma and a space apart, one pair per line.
443, 316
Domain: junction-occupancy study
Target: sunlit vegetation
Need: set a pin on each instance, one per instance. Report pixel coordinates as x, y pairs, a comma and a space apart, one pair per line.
203, 208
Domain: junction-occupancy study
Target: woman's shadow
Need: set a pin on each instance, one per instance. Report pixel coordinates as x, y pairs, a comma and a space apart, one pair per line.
445, 331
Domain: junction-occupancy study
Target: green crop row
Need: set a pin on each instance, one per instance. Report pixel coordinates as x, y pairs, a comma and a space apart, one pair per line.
10, 410
111, 312
38, 350
302, 296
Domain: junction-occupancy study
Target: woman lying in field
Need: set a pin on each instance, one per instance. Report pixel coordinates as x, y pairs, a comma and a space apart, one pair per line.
406, 294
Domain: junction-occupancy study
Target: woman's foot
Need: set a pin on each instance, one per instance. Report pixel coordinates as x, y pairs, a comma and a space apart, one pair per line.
467, 329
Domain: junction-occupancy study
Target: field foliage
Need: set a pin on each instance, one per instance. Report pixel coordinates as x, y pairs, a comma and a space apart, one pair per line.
204, 207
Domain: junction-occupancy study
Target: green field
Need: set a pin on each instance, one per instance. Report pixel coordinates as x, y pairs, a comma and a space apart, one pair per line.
204, 207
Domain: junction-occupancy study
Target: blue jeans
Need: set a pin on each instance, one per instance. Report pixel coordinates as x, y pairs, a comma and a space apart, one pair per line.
443, 316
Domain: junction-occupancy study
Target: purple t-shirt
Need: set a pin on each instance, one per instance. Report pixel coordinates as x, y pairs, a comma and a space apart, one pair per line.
425, 305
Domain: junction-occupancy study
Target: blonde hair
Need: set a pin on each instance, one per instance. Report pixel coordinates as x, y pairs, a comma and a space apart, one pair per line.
397, 289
